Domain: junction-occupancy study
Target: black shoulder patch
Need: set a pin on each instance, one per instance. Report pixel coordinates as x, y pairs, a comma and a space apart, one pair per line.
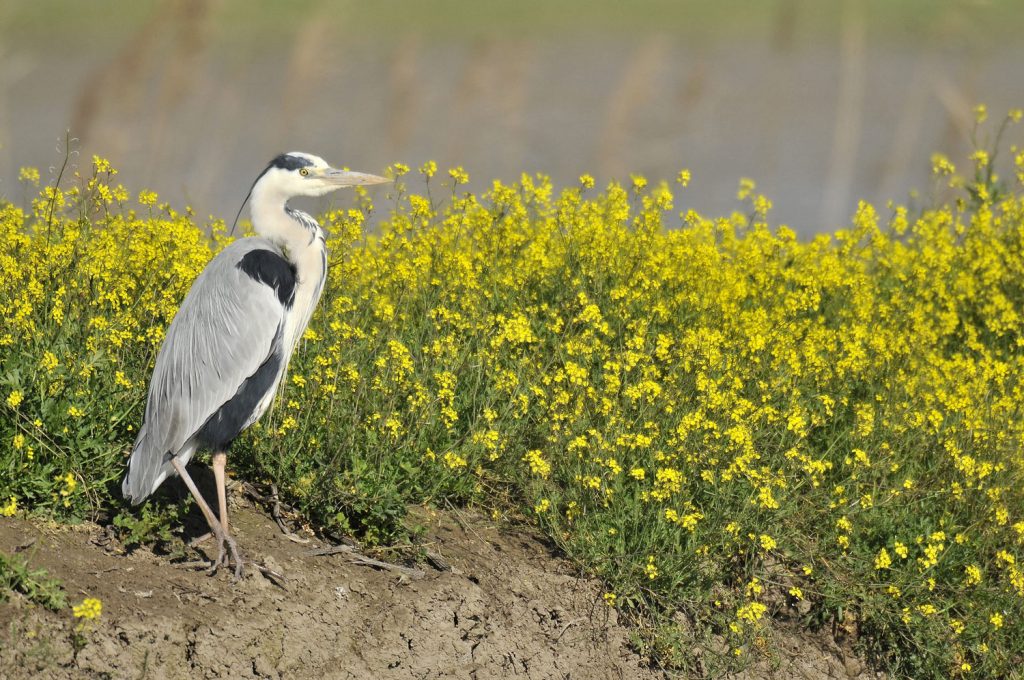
270, 269
287, 161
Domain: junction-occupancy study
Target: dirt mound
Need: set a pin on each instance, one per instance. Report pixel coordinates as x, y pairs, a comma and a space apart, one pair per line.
505, 608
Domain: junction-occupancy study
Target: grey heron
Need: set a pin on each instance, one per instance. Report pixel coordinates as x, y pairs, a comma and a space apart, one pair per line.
228, 346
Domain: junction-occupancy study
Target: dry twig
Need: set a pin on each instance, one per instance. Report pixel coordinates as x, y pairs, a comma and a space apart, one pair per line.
358, 558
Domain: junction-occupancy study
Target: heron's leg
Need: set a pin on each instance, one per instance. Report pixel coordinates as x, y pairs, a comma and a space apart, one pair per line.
215, 526
220, 460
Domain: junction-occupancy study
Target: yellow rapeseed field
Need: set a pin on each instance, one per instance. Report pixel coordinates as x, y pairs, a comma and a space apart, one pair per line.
728, 425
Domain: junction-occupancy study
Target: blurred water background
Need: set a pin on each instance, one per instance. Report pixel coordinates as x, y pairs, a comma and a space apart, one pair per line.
822, 102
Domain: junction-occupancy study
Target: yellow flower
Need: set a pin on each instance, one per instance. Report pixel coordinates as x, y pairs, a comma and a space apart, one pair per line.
428, 169
543, 506
29, 175
651, 570
10, 508
454, 461
15, 398
49, 361
941, 166
538, 465
747, 187
586, 181
996, 620
70, 484
102, 165
609, 599
288, 423
883, 561
90, 608
751, 612
861, 457
459, 175
972, 575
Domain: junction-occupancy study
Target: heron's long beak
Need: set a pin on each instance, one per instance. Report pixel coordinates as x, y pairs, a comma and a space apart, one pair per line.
348, 178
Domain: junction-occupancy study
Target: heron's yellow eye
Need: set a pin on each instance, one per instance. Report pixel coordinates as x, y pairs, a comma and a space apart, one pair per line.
303, 172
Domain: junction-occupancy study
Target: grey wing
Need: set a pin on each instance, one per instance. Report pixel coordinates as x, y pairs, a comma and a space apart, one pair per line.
227, 328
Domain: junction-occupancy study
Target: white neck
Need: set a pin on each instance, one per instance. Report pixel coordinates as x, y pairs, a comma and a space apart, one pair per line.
270, 220
310, 273
303, 246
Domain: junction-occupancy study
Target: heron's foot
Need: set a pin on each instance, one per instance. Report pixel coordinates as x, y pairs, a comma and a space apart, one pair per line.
225, 557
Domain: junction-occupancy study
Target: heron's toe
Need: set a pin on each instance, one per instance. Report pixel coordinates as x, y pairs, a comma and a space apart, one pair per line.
227, 552
236, 557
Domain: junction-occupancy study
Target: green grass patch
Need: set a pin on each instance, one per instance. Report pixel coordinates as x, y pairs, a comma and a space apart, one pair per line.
35, 584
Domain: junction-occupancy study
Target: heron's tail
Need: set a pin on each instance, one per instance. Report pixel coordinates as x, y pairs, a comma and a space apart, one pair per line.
147, 469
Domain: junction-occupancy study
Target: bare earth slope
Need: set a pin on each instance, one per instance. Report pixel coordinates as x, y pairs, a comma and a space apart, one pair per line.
506, 609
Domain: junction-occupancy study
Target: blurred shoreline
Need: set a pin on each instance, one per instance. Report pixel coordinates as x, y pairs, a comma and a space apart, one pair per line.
820, 107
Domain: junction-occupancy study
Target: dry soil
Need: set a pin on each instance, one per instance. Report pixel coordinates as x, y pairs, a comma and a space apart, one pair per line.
506, 607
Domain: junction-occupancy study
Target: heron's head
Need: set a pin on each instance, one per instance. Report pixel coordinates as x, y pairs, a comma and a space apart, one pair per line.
301, 174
